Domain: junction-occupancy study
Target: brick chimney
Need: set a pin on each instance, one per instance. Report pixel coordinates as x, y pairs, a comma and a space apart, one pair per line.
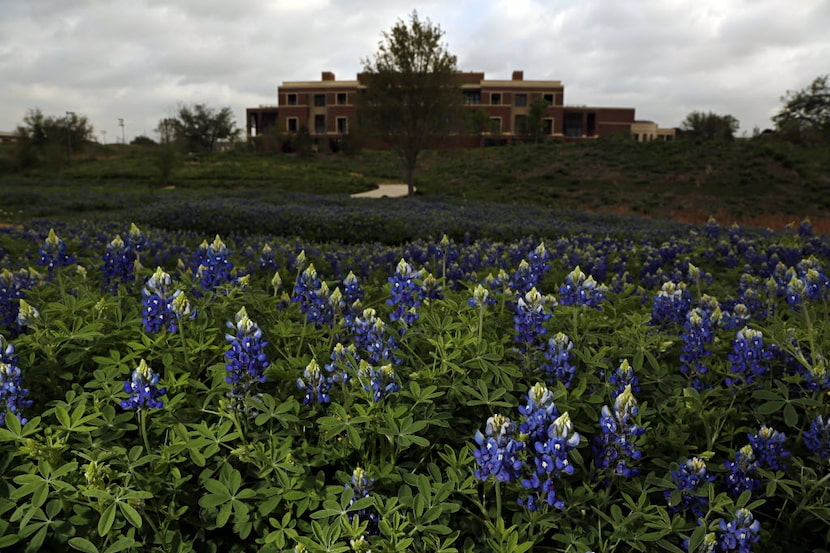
328, 76
518, 75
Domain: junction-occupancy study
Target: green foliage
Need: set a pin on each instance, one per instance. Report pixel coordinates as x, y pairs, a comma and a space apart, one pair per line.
805, 115
709, 126
199, 127
411, 97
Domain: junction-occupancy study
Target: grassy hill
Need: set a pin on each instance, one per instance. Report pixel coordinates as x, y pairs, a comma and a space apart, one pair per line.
758, 182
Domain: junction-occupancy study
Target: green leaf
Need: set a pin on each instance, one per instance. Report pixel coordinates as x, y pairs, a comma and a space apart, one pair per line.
130, 513
121, 545
107, 519
790, 415
83, 544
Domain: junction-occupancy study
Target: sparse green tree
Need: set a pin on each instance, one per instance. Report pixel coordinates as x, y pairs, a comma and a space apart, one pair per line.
805, 115
56, 136
412, 99
535, 121
709, 126
200, 127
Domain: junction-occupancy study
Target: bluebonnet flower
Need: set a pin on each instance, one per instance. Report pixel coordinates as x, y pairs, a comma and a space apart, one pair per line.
557, 363
211, 262
315, 385
529, 320
53, 252
266, 258
431, 289
157, 313
581, 289
768, 447
622, 377
689, 480
550, 437
313, 296
740, 533
711, 229
497, 454
748, 357
405, 293
697, 336
180, 307
27, 314
118, 264
344, 362
352, 296
539, 413
616, 447
246, 357
143, 389
708, 545
741, 476
380, 382
480, 297
13, 396
13, 286
361, 486
371, 337
524, 279
817, 438
670, 304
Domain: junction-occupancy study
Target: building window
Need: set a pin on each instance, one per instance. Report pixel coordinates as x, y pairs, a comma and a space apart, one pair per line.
292, 124
319, 100
495, 98
547, 126
342, 125
472, 97
342, 98
521, 100
291, 99
319, 124
548, 98
495, 125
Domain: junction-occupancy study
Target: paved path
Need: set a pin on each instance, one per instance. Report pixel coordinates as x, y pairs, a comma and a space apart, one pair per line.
384, 191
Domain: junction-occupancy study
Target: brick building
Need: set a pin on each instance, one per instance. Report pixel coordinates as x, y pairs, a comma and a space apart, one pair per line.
327, 110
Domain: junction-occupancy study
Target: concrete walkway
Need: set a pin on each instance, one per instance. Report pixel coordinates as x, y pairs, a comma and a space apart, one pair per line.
385, 191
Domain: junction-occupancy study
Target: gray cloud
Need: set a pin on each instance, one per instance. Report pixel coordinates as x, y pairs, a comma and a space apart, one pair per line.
136, 59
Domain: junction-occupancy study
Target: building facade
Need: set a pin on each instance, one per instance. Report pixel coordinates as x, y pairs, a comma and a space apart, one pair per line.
327, 110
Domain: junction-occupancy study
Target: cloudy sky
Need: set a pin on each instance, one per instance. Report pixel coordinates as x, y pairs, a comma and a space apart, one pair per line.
138, 59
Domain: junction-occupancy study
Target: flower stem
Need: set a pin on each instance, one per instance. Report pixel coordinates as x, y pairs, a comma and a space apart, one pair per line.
142, 426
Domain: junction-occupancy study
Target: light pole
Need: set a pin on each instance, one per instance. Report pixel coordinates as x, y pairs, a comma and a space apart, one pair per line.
121, 124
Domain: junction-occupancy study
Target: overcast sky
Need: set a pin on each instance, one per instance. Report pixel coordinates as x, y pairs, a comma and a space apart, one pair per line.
138, 59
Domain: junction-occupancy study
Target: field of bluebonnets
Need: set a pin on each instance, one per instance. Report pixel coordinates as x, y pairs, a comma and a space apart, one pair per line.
328, 376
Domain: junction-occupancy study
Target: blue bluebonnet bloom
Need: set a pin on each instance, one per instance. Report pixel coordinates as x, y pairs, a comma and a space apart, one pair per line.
817, 438
529, 320
670, 304
13, 286
549, 437
616, 447
211, 262
431, 289
581, 289
697, 336
361, 486
524, 279
405, 293
246, 356
739, 533
622, 377
181, 308
27, 314
157, 313
768, 447
352, 296
118, 264
266, 258
380, 381
481, 297
313, 296
742, 472
53, 252
689, 480
557, 363
748, 358
497, 454
143, 389
13, 396
371, 338
315, 384
345, 362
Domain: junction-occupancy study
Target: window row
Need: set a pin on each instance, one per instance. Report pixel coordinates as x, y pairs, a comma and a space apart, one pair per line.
319, 100
473, 97
292, 124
